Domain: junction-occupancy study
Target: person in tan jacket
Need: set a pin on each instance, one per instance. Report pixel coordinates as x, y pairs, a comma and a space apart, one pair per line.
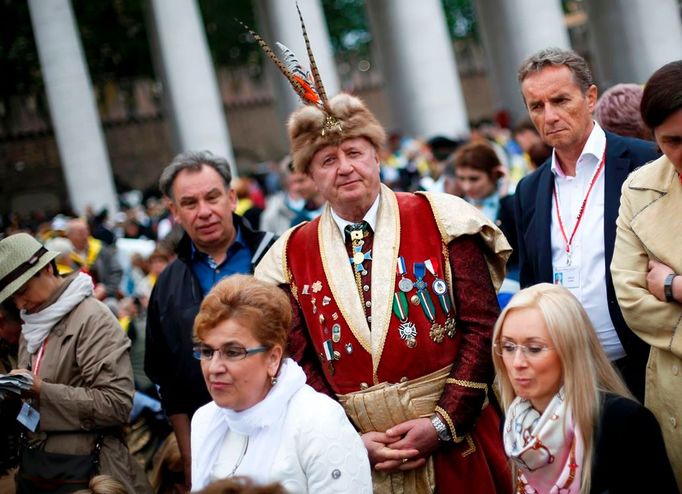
78, 357
648, 256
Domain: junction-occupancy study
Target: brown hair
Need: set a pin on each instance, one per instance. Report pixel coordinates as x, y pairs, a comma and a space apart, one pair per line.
306, 135
263, 307
662, 94
241, 485
478, 156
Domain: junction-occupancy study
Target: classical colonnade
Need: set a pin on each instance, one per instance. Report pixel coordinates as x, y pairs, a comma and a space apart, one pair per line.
631, 38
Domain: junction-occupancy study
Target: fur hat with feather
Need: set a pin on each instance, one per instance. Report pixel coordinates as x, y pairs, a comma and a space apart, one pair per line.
306, 124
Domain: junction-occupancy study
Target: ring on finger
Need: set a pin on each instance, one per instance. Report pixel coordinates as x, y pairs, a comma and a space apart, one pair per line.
404, 460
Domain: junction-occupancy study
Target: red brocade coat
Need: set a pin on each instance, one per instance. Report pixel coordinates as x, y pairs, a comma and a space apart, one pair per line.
357, 323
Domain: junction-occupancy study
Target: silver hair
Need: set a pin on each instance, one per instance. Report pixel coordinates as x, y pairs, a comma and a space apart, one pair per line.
557, 57
193, 161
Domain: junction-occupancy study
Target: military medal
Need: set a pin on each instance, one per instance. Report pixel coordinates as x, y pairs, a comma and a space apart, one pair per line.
317, 287
407, 330
440, 288
336, 333
419, 269
326, 300
349, 348
437, 332
359, 257
405, 284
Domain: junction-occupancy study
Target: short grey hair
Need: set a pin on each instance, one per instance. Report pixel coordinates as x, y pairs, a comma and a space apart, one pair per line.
557, 57
193, 161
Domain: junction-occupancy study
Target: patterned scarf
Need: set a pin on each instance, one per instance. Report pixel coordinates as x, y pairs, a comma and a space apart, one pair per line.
547, 448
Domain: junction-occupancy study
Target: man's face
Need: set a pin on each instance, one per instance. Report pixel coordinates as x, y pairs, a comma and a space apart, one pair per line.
78, 235
203, 206
558, 108
347, 175
301, 185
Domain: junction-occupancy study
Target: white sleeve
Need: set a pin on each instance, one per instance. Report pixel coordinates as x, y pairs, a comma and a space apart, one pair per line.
331, 452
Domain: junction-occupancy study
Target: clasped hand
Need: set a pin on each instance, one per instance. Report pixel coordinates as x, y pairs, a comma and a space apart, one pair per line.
404, 446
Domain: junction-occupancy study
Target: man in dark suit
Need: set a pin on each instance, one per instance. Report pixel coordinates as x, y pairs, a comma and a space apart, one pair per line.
566, 210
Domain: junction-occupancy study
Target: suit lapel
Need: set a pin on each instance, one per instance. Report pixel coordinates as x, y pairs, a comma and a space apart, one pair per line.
543, 223
616, 170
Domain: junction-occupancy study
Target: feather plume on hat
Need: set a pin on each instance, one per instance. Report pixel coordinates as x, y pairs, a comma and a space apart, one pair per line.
321, 121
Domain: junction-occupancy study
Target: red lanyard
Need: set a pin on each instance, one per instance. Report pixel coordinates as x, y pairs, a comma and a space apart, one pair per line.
567, 240
39, 357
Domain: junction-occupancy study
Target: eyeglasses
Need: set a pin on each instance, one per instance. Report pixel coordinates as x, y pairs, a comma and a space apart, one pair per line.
227, 352
507, 349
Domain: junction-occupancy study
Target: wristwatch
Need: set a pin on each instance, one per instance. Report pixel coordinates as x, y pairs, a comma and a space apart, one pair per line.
441, 428
668, 287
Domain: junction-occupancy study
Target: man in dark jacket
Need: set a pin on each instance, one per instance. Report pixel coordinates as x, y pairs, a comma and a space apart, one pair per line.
566, 210
216, 244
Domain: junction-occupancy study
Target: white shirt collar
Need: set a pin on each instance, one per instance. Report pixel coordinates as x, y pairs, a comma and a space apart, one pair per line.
595, 147
370, 217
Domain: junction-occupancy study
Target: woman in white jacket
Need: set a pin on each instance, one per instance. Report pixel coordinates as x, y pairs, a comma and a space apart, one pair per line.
264, 422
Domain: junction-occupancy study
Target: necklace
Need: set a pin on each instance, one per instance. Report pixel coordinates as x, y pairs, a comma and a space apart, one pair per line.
241, 457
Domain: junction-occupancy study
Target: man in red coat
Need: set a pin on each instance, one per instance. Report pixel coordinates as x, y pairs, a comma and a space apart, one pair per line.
394, 302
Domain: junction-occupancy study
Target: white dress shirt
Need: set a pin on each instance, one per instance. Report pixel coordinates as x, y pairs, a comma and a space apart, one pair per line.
587, 248
370, 218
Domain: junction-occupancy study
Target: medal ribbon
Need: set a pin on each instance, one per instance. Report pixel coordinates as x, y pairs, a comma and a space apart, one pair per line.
400, 307
402, 269
434, 268
427, 305
567, 240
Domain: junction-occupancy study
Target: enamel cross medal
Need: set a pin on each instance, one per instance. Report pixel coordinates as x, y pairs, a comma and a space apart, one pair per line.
406, 329
358, 256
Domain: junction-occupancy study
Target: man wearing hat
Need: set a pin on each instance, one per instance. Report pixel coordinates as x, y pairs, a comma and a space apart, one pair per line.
394, 303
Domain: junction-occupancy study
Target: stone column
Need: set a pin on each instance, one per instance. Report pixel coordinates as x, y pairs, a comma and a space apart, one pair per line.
633, 38
512, 30
419, 67
278, 21
82, 149
194, 106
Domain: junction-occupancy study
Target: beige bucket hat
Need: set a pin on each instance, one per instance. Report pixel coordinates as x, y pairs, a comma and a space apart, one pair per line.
21, 257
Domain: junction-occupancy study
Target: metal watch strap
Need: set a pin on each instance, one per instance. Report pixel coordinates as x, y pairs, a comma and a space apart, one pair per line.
441, 428
668, 287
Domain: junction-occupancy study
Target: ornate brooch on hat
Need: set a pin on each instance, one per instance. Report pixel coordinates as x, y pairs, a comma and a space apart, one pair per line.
307, 84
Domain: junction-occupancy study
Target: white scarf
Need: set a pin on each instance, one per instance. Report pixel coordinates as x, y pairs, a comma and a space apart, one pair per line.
38, 325
262, 423
548, 449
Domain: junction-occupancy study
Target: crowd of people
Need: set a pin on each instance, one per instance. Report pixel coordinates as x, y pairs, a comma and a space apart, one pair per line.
343, 332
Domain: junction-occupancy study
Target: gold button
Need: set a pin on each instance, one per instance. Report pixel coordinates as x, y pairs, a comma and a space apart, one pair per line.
676, 369
363, 386
673, 422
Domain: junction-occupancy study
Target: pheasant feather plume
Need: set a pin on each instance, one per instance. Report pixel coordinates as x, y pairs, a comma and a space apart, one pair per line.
309, 88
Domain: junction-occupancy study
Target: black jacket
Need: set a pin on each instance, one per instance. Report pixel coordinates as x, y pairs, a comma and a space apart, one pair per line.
173, 305
629, 454
533, 214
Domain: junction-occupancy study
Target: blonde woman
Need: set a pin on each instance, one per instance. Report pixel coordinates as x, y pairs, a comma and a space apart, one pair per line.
571, 425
